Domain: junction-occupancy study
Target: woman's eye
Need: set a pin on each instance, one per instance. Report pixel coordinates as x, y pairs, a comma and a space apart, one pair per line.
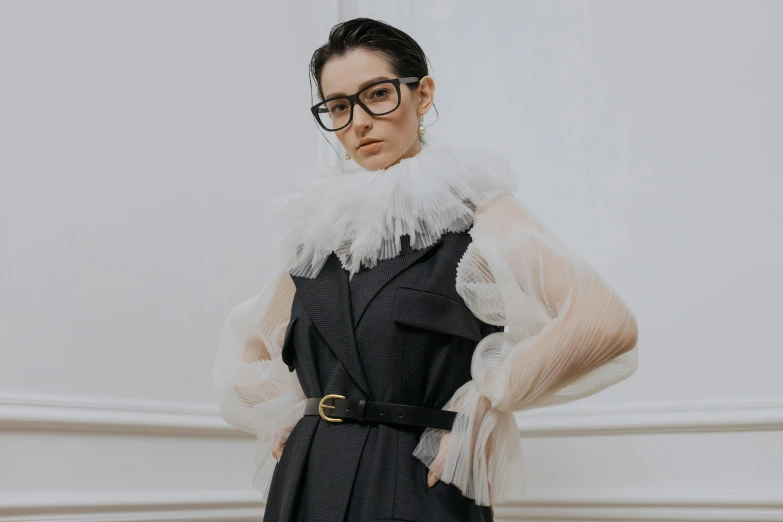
383, 92
337, 108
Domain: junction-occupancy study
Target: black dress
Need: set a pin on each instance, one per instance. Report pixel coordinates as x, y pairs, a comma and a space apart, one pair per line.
399, 333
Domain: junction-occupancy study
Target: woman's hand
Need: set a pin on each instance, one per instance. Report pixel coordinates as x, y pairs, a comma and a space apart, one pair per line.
436, 469
437, 465
482, 407
279, 443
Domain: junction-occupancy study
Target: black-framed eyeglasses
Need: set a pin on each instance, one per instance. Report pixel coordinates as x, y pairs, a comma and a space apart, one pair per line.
378, 98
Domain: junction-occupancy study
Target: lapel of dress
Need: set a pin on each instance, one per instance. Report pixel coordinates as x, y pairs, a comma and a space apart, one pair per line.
327, 300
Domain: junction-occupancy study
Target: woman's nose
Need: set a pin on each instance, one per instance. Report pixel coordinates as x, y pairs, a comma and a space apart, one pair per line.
360, 116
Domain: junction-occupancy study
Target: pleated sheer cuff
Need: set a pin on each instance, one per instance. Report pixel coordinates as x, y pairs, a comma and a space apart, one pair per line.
287, 412
481, 454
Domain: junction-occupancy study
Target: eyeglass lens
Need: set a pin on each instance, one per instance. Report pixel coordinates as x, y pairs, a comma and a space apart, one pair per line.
380, 99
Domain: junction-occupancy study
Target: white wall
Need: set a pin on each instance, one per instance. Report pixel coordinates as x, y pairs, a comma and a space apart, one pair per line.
139, 143
645, 134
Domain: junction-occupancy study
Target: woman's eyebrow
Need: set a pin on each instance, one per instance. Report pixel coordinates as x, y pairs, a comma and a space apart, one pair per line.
361, 86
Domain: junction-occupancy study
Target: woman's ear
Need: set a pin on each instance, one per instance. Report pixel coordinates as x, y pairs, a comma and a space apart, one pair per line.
426, 94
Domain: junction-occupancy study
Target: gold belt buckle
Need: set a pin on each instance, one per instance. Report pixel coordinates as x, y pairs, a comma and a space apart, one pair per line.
321, 407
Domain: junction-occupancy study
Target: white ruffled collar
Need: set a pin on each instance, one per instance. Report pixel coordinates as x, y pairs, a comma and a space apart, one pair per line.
361, 215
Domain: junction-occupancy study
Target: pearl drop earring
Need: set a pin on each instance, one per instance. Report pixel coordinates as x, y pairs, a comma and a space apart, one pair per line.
422, 129
346, 155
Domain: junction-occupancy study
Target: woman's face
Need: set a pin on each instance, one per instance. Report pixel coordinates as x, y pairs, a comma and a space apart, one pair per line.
397, 131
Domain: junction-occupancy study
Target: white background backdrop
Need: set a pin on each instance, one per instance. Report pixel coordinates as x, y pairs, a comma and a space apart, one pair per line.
140, 142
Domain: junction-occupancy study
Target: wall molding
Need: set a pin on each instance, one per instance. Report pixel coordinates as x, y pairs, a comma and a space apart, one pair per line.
25, 411
101, 506
42, 412
683, 416
564, 506
646, 505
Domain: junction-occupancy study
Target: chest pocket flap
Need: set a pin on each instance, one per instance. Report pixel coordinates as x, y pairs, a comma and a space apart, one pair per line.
435, 312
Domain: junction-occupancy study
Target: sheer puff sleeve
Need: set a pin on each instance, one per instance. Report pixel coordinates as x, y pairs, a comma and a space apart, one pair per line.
257, 392
567, 336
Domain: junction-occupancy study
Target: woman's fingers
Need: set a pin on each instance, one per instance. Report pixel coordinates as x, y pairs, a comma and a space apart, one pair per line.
277, 450
437, 465
432, 478
279, 442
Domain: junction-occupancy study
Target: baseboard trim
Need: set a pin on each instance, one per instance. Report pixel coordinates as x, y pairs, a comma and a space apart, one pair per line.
647, 505
131, 506
245, 506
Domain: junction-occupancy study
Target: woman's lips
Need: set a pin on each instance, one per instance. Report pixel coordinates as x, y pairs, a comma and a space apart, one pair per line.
371, 147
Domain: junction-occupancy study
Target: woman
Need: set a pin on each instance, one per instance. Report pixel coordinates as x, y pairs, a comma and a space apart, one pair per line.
417, 305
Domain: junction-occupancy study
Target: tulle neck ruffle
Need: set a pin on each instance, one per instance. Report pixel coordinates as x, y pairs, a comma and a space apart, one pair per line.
361, 215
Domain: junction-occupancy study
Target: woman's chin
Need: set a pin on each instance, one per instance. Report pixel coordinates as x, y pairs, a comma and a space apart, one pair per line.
375, 162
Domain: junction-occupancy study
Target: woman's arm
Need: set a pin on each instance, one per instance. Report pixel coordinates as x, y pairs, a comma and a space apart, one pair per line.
257, 392
568, 335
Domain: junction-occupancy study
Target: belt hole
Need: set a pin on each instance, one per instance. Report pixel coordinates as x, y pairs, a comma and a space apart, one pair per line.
381, 413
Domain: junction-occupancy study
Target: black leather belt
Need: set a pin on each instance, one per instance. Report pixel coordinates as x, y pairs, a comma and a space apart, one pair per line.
336, 408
